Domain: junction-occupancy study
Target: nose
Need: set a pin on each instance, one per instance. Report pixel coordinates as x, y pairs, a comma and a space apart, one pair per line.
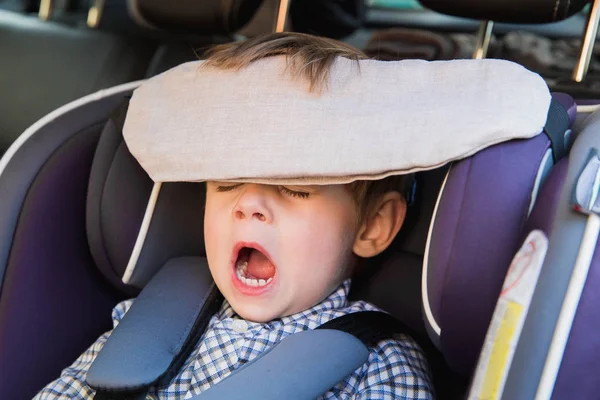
252, 204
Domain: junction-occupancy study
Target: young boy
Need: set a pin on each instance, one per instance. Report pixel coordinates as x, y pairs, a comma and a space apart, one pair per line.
283, 256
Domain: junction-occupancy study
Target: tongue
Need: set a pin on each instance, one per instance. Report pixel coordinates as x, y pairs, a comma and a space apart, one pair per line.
259, 266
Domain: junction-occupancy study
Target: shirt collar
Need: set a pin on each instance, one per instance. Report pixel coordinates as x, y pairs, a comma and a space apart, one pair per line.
336, 300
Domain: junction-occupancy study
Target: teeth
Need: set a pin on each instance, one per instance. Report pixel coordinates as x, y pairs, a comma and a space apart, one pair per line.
253, 282
240, 270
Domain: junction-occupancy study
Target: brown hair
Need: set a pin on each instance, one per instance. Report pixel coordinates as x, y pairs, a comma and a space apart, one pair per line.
309, 57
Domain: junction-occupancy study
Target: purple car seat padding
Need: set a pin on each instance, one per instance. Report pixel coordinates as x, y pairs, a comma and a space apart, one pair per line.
565, 241
541, 215
502, 190
22, 161
55, 302
43, 178
475, 232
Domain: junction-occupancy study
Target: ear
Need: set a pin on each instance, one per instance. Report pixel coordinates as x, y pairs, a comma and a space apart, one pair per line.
380, 227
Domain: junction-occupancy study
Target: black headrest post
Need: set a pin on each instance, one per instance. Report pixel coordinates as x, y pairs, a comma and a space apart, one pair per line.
587, 44
282, 15
484, 35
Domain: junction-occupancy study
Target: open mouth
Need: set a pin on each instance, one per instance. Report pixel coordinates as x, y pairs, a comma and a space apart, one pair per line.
253, 267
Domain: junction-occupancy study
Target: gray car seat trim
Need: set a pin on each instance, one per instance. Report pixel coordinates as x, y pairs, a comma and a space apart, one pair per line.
574, 290
564, 248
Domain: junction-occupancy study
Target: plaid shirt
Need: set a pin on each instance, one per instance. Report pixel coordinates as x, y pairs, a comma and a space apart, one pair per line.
396, 369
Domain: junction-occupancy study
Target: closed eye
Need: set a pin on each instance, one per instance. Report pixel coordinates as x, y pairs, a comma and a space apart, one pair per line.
293, 193
228, 188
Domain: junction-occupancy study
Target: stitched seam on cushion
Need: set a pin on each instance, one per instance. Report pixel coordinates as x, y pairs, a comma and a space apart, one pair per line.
555, 13
567, 9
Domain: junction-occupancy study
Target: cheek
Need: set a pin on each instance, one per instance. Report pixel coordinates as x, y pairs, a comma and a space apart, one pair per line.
322, 244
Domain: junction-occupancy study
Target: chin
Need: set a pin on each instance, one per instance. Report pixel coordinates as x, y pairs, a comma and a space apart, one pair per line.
255, 313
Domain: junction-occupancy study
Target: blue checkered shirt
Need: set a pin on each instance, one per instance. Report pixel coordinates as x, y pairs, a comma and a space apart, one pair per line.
396, 369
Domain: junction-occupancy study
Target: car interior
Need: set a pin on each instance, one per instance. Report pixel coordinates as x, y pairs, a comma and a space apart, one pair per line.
74, 209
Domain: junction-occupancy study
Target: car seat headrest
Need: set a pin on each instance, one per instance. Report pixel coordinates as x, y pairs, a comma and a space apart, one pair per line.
127, 217
192, 16
118, 193
375, 114
511, 11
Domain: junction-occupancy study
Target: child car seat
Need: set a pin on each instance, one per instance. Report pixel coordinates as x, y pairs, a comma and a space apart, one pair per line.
115, 211
112, 163
53, 150
512, 172
60, 278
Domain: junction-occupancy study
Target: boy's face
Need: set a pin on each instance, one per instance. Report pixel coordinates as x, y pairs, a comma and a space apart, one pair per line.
274, 251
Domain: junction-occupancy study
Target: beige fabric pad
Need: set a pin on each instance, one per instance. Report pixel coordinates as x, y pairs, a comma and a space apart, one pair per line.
195, 123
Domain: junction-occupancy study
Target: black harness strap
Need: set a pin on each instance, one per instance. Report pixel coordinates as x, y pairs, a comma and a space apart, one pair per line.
557, 125
370, 327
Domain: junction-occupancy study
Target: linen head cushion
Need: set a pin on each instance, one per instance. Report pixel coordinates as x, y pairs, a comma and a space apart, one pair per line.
374, 119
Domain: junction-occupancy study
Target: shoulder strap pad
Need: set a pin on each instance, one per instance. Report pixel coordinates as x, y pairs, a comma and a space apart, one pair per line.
153, 340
